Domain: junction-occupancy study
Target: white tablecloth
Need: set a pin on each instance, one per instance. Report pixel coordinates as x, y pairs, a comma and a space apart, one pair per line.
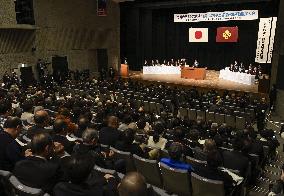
161, 70
238, 77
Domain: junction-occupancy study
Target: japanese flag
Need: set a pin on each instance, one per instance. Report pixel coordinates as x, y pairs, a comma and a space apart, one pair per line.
198, 35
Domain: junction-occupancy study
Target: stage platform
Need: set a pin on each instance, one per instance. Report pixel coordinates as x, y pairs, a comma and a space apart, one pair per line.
211, 81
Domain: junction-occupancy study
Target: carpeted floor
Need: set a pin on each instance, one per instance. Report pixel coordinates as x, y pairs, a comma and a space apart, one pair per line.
212, 81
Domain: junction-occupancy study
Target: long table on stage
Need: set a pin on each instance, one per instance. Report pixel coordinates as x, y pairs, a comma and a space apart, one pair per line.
193, 73
161, 69
242, 78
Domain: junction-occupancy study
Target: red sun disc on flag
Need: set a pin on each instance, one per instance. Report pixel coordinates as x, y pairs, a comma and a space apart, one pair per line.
198, 34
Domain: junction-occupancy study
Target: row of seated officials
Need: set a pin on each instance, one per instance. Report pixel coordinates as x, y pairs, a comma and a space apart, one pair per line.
46, 161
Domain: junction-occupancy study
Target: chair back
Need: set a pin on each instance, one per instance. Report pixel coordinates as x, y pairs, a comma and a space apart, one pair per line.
160, 192
240, 123
219, 118
183, 113
175, 180
5, 186
230, 121
192, 114
201, 114
146, 106
23, 190
195, 162
206, 187
153, 108
149, 169
126, 156
210, 116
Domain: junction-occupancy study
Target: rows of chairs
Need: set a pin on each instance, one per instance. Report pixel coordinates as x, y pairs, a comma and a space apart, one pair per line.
238, 122
172, 180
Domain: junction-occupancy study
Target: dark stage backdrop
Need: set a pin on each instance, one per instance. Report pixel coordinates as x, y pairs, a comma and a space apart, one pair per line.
148, 33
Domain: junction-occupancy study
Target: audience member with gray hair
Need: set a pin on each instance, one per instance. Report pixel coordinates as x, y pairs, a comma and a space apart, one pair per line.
91, 147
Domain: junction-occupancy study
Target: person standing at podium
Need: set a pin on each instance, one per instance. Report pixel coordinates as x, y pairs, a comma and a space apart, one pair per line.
195, 64
146, 63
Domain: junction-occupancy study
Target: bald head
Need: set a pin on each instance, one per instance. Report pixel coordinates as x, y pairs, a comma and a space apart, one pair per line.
41, 117
113, 122
133, 184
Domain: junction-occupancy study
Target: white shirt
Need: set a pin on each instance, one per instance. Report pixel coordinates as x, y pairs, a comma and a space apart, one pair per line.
160, 144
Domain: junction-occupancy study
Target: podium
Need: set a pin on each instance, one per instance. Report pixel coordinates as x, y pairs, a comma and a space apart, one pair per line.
124, 70
193, 73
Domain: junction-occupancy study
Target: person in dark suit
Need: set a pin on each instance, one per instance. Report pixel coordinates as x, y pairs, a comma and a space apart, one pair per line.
60, 132
41, 119
91, 148
81, 181
126, 143
212, 170
10, 150
82, 126
235, 159
109, 135
37, 171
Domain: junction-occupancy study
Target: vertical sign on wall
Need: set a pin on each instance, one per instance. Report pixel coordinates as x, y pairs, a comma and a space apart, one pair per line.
265, 42
102, 7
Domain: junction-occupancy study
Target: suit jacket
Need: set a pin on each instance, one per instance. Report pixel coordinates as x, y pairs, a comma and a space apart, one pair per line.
108, 136
37, 173
236, 160
94, 153
70, 189
10, 152
36, 129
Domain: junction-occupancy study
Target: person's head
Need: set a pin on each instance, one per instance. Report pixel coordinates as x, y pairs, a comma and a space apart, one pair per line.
133, 184
13, 126
194, 135
41, 118
112, 122
175, 151
158, 130
218, 140
214, 159
42, 145
209, 145
79, 168
90, 136
83, 123
141, 123
60, 127
179, 134
27, 106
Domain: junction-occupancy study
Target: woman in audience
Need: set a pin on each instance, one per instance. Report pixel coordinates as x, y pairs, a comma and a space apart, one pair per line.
157, 140
212, 170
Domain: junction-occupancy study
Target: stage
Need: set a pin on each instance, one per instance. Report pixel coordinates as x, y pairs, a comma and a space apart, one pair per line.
211, 81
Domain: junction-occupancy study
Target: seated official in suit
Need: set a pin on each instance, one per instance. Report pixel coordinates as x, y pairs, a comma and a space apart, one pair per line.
235, 159
133, 184
175, 153
91, 148
41, 119
10, 150
78, 171
82, 126
60, 132
213, 172
109, 135
37, 171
